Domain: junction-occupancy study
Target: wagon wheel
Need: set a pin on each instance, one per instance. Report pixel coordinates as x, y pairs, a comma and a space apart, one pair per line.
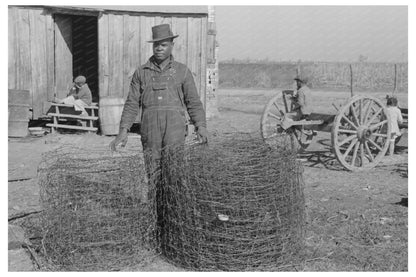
361, 133
270, 125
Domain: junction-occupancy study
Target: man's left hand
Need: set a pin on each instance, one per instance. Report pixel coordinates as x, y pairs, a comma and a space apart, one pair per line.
202, 134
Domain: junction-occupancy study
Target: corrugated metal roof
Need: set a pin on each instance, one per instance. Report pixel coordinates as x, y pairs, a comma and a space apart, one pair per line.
185, 9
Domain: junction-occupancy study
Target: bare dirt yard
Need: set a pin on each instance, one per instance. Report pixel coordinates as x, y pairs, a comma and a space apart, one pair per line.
355, 221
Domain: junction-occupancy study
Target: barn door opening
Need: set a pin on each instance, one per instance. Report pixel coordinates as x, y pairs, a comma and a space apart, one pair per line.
76, 52
85, 50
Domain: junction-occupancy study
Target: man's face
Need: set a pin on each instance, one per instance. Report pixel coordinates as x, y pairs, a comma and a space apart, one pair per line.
162, 49
298, 84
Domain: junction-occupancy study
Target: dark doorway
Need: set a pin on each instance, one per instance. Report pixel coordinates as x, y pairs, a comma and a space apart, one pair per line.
85, 51
76, 52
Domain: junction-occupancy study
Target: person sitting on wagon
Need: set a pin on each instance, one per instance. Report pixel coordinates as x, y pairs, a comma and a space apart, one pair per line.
79, 96
301, 104
396, 118
302, 98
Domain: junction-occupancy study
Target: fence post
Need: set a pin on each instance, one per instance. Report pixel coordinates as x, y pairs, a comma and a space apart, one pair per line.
395, 78
351, 83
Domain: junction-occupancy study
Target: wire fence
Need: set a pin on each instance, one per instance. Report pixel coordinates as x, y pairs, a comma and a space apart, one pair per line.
95, 209
236, 204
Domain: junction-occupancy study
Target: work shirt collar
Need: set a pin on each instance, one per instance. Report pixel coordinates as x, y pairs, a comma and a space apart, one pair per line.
152, 64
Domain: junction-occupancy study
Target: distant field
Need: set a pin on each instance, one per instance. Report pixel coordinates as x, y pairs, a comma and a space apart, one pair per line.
335, 76
254, 100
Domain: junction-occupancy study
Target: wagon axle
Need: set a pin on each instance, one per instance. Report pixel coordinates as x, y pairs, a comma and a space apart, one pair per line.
363, 133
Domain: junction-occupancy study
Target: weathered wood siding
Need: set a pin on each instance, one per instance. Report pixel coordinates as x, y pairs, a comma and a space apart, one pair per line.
63, 55
40, 54
123, 47
31, 54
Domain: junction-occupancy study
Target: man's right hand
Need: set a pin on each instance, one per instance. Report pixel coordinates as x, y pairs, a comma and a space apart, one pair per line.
121, 138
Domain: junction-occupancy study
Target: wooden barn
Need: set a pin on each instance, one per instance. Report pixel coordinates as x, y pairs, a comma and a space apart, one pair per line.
50, 45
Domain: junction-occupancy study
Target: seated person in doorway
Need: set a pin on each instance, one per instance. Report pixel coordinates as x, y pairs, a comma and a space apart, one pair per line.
79, 96
396, 118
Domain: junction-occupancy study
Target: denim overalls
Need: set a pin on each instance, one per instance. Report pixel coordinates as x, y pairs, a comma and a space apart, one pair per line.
163, 119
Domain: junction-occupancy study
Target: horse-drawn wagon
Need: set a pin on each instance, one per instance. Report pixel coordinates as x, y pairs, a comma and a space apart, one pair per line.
360, 133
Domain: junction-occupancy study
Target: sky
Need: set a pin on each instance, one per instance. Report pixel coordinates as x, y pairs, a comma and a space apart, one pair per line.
313, 33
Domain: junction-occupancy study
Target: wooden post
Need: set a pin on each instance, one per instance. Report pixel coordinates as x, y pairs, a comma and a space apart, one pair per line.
351, 83
395, 79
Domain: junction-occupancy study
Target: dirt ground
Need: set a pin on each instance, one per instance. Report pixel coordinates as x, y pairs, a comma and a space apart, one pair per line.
355, 221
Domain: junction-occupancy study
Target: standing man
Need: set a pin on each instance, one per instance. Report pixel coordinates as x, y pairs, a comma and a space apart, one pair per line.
164, 89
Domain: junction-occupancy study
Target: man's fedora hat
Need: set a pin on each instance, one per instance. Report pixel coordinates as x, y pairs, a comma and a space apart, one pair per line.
162, 32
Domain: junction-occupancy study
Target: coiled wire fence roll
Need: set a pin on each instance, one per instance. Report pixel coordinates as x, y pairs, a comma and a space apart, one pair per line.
234, 205
95, 209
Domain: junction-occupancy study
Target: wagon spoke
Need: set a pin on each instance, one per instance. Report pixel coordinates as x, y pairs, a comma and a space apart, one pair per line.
375, 126
277, 107
354, 155
274, 116
362, 153
375, 144
347, 131
349, 148
368, 151
368, 110
349, 121
354, 114
375, 115
379, 135
361, 111
350, 138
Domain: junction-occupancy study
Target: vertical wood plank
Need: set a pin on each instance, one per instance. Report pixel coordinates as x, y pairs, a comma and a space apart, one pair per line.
116, 55
194, 49
24, 77
38, 60
127, 35
50, 57
133, 49
203, 60
163, 20
180, 27
103, 64
146, 24
12, 45
63, 55
133, 46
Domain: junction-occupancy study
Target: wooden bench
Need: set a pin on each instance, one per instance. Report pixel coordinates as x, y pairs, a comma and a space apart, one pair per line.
60, 115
